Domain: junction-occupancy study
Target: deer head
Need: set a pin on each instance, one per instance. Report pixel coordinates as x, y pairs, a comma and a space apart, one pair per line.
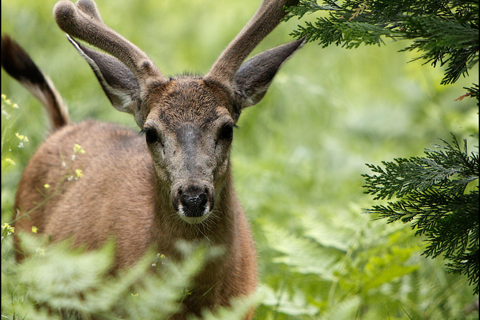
187, 121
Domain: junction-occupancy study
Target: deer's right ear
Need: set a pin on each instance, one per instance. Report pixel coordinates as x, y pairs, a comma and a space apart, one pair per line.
117, 81
255, 75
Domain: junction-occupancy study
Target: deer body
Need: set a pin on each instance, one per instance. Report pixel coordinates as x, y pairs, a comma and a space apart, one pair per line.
171, 183
136, 224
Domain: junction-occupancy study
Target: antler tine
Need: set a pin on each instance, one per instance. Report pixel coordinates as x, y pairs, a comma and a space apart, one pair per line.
83, 21
267, 17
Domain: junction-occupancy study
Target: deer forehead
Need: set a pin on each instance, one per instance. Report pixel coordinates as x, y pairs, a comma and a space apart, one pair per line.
189, 100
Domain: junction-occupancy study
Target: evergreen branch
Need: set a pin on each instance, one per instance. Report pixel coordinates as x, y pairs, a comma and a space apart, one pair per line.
444, 41
305, 6
432, 196
472, 92
444, 32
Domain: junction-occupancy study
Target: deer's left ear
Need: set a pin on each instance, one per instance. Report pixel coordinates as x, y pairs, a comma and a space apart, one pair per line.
255, 75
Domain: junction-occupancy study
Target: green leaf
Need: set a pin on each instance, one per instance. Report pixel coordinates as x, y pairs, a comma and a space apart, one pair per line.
303, 255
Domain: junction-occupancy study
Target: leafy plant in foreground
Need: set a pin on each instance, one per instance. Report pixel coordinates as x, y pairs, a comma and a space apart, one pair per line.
438, 194
58, 282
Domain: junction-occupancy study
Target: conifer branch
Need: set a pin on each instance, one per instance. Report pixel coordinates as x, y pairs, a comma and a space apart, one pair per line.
443, 32
432, 194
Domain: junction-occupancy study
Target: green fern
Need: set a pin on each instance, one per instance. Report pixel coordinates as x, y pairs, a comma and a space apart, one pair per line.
57, 277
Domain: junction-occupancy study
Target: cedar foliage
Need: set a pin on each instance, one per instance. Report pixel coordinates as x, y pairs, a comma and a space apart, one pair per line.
433, 194
445, 32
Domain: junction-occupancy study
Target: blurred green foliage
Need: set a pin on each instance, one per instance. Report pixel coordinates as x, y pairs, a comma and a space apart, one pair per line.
297, 157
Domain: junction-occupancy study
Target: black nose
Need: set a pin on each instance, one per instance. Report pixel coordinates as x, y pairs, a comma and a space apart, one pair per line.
194, 201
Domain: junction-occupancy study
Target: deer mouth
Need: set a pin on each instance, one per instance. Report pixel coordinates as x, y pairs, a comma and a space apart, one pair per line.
193, 219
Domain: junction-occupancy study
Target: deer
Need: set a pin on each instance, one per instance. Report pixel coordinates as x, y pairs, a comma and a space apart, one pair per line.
170, 182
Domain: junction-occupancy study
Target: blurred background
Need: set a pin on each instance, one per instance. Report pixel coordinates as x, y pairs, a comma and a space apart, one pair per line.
297, 156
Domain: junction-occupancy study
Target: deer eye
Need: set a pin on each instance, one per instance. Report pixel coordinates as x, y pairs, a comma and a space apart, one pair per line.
151, 135
226, 133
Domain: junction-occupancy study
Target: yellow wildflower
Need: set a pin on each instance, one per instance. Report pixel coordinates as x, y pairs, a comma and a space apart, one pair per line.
78, 173
34, 229
46, 186
78, 149
8, 228
21, 137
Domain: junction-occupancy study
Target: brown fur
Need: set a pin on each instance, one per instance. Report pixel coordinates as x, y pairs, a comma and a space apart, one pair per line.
172, 183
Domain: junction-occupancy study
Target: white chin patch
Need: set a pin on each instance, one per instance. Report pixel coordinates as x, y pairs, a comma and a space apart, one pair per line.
193, 220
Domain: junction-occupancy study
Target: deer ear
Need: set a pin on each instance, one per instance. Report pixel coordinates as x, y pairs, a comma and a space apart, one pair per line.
254, 76
117, 81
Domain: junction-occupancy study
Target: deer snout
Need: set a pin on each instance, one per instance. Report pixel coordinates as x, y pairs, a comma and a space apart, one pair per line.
193, 203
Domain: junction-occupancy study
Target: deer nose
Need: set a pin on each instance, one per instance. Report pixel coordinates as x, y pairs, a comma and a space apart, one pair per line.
193, 205
194, 201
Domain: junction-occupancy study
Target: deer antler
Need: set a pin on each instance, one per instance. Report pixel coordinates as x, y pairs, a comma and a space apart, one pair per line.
83, 21
267, 17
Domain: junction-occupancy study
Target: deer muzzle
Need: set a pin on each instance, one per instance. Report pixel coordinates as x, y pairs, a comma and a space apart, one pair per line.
193, 202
